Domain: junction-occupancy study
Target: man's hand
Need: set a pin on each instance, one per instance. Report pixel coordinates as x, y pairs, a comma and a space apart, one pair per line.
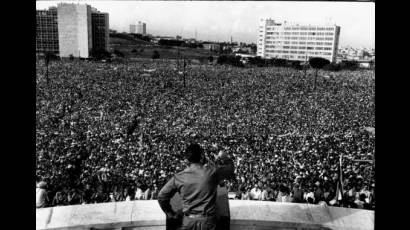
172, 215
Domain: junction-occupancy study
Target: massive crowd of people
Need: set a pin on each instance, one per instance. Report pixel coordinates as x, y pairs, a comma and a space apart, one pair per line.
115, 131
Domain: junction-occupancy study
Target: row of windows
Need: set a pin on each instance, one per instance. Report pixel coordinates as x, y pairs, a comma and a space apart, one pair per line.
300, 43
300, 38
309, 28
299, 47
297, 52
301, 33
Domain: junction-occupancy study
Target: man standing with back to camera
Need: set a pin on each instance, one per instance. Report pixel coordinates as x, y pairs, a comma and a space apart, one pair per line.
197, 186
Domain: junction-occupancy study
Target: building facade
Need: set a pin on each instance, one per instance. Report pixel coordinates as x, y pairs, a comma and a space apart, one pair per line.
75, 34
297, 42
141, 28
100, 30
47, 31
71, 29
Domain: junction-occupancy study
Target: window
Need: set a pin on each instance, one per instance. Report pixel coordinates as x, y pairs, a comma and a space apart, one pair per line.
269, 33
293, 47
302, 43
293, 51
329, 33
286, 47
311, 43
327, 48
319, 43
303, 33
328, 38
295, 33
319, 48
310, 48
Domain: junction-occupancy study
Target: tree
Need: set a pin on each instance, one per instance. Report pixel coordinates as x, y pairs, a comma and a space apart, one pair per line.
350, 65
155, 54
318, 63
210, 58
118, 53
71, 57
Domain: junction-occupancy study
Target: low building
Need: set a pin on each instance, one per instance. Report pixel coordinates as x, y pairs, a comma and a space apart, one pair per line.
212, 46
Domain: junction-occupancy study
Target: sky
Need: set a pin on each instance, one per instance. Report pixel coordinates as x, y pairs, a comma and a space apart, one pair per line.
218, 21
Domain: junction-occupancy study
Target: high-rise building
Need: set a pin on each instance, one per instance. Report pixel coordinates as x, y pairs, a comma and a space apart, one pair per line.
71, 29
47, 31
133, 29
100, 29
297, 42
74, 30
142, 28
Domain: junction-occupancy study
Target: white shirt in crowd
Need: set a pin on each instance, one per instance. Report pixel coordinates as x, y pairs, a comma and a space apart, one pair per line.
256, 194
138, 194
40, 197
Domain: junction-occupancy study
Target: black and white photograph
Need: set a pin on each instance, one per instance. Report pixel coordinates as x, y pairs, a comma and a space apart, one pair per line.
205, 115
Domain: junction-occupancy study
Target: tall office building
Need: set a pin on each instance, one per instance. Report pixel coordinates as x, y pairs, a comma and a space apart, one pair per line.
133, 29
47, 31
297, 42
74, 26
71, 29
142, 28
100, 29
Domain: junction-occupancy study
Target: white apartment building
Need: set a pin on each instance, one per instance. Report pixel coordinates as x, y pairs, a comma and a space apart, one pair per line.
297, 42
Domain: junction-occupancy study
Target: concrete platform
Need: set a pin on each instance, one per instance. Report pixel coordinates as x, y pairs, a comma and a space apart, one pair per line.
250, 215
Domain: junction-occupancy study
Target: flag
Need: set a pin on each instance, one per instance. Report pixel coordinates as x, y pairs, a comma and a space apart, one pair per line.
339, 187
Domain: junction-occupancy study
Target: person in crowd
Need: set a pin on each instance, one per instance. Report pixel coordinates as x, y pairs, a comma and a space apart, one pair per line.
138, 193
256, 192
297, 194
147, 194
154, 193
41, 195
310, 196
319, 193
87, 194
265, 193
74, 197
59, 199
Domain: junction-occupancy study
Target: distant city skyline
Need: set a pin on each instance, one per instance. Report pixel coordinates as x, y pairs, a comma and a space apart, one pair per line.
218, 21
